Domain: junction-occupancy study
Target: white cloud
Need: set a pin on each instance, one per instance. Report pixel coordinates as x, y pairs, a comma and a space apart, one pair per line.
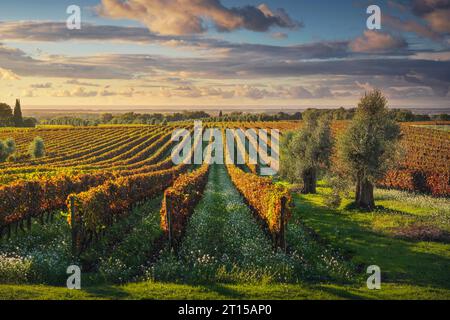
46, 85
6, 74
180, 17
77, 92
377, 42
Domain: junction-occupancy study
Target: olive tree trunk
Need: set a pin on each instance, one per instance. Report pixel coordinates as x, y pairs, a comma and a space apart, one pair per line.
364, 194
309, 181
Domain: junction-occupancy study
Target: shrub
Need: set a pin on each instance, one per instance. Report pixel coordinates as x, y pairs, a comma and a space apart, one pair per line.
37, 148
7, 148
10, 146
14, 270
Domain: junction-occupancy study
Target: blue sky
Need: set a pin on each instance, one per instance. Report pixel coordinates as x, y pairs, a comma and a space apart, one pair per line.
323, 19
312, 53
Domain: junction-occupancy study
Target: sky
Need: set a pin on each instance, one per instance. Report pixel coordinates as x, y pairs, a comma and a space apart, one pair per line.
223, 53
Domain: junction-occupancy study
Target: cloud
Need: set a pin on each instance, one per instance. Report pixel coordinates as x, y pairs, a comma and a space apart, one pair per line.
435, 15
323, 92
408, 93
57, 31
197, 92
377, 42
439, 20
365, 86
28, 93
79, 83
298, 92
79, 92
181, 17
130, 92
411, 26
247, 91
46, 85
246, 62
6, 74
436, 56
435, 12
398, 5
27, 31
279, 35
424, 7
440, 88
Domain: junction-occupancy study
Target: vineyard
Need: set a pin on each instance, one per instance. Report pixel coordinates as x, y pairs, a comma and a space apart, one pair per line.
111, 200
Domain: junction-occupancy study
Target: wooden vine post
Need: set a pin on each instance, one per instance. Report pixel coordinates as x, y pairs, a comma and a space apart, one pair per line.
74, 227
282, 235
169, 222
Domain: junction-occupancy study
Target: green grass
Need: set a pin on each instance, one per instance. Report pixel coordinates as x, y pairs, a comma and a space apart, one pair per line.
413, 263
162, 291
410, 269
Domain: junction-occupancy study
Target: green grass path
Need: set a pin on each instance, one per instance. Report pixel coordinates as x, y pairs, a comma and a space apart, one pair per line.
223, 241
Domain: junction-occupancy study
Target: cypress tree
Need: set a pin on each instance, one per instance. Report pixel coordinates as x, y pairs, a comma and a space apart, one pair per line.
18, 119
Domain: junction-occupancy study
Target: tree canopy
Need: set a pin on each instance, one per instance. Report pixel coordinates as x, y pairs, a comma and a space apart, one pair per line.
368, 147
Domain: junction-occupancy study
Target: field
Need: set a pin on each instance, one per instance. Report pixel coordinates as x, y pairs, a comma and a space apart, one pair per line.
110, 200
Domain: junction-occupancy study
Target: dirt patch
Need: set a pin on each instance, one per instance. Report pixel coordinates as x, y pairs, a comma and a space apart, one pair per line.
422, 232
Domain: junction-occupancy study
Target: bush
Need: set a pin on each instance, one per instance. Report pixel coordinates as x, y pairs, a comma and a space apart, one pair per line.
10, 145
3, 153
7, 148
14, 270
37, 148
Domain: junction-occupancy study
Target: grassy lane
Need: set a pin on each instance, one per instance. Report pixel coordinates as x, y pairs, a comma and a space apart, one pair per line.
43, 255
223, 242
123, 254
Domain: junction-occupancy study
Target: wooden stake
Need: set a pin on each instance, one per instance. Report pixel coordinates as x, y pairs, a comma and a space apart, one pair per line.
282, 237
169, 222
73, 226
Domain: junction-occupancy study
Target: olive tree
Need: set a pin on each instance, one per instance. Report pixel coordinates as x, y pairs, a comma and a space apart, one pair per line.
368, 147
37, 148
7, 148
306, 152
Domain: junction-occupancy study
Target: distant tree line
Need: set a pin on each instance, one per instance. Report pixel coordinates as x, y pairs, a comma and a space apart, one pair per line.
127, 118
10, 118
235, 116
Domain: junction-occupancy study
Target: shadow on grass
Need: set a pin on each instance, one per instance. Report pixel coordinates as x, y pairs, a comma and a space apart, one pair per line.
399, 260
342, 293
107, 292
224, 291
352, 207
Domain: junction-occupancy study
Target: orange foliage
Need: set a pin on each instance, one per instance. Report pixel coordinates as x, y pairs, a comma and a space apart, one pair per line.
180, 200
